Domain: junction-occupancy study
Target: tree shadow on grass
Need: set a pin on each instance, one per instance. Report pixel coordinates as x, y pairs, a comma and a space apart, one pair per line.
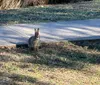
90, 44
18, 79
56, 56
36, 14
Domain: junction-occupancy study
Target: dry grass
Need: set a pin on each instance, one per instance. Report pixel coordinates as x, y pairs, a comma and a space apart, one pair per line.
61, 63
13, 4
10, 4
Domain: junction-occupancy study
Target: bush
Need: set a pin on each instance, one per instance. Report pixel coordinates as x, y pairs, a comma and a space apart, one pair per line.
11, 4
34, 2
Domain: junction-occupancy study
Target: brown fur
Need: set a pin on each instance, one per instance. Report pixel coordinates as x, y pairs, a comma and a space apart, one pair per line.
34, 41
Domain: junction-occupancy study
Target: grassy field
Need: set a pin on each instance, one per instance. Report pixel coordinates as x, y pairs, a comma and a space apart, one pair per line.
76, 11
61, 63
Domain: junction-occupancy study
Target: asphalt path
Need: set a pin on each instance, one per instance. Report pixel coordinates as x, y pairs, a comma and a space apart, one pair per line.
50, 31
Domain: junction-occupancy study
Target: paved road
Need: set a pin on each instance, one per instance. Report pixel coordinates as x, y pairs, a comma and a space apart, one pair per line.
52, 31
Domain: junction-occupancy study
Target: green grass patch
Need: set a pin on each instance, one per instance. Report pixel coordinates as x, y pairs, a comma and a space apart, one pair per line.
75, 11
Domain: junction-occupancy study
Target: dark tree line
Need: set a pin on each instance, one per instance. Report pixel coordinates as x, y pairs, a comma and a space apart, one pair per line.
65, 1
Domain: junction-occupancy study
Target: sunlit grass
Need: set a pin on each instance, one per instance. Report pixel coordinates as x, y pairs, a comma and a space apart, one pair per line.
61, 63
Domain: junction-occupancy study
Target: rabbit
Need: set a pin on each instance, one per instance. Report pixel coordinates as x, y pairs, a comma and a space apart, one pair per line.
34, 41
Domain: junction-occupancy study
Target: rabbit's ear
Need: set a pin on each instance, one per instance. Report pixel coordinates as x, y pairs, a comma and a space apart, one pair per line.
34, 29
38, 29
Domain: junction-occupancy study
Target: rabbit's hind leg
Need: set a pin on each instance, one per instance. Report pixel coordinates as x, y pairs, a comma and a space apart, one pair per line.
36, 49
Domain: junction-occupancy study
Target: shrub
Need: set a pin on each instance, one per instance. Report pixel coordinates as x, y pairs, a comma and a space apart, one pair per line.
34, 2
11, 4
